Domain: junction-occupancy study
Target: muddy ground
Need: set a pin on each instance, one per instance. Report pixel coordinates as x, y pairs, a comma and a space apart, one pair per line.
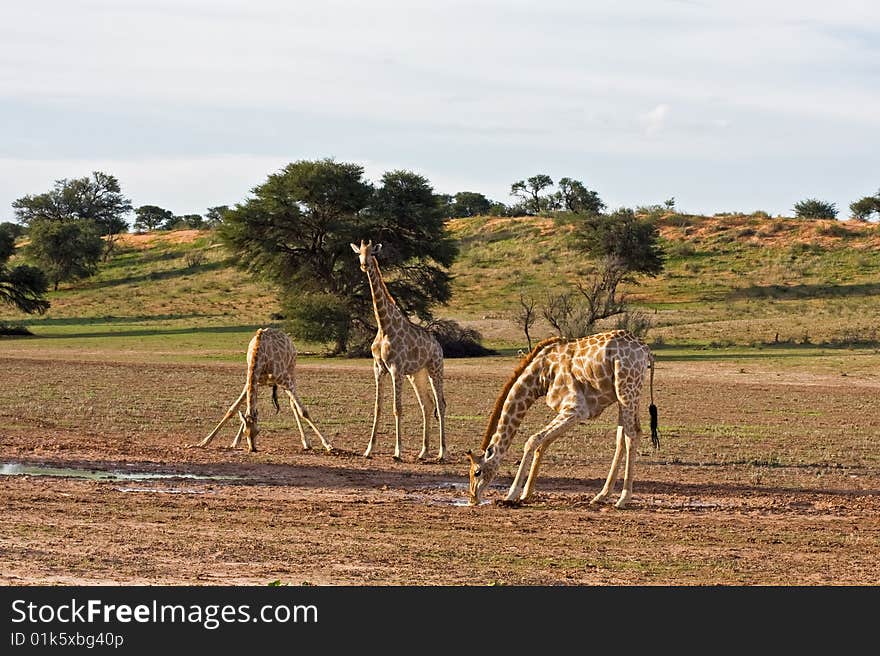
764, 476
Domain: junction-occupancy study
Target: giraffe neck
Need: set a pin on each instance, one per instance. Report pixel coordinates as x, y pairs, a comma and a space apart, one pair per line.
528, 387
386, 310
251, 377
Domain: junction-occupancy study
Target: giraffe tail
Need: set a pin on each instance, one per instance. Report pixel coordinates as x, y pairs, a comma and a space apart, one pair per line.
652, 411
275, 398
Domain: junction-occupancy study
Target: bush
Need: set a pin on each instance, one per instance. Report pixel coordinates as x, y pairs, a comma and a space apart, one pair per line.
681, 249
8, 329
194, 259
812, 208
458, 341
834, 230
322, 318
635, 321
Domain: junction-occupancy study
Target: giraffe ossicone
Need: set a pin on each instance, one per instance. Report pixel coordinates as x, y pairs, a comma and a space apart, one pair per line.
271, 360
580, 378
402, 350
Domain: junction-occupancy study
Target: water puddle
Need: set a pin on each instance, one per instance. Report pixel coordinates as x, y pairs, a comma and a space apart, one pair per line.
453, 486
18, 469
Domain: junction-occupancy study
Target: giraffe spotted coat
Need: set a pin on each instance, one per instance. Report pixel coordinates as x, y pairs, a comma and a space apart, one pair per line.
580, 378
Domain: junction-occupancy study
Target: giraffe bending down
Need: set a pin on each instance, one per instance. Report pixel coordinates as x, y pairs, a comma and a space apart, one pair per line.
402, 349
580, 378
271, 360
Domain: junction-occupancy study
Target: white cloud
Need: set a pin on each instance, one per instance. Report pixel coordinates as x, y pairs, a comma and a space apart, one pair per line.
470, 94
653, 121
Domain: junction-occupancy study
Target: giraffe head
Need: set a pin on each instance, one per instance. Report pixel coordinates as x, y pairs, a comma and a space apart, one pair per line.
366, 252
250, 430
484, 466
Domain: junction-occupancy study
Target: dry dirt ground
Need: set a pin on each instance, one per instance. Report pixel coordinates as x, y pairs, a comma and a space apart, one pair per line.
763, 477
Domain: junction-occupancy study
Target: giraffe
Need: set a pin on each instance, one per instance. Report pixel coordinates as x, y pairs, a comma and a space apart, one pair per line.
402, 349
580, 378
271, 360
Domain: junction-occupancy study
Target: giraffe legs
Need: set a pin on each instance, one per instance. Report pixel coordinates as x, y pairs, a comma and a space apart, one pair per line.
533, 472
227, 417
419, 383
428, 387
436, 380
532, 452
240, 432
628, 435
398, 411
299, 410
379, 372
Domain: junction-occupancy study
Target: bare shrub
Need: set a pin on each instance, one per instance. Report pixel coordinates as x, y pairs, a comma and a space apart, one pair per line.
194, 259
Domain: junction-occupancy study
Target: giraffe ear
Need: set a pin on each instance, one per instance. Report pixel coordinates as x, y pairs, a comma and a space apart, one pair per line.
376, 248
355, 248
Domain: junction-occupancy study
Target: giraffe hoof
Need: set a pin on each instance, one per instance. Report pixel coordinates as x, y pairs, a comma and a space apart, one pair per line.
397, 458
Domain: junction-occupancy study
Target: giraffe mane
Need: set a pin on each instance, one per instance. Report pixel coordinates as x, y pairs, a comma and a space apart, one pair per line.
499, 402
382, 282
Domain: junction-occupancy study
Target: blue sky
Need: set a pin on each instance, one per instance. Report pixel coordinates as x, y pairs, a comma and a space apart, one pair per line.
191, 103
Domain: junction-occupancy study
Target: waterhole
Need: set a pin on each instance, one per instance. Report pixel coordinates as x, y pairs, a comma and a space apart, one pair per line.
19, 469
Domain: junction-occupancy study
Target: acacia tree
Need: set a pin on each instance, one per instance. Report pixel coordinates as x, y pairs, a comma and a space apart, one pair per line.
151, 217
623, 247
296, 229
529, 191
632, 243
97, 198
470, 203
865, 207
214, 215
22, 286
65, 250
573, 196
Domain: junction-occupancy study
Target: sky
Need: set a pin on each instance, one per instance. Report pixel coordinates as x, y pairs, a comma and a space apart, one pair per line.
723, 106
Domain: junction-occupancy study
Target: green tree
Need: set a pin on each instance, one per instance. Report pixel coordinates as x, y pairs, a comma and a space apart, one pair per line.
295, 232
151, 217
865, 207
573, 196
632, 243
97, 198
470, 203
65, 250
529, 192
498, 208
14, 229
812, 208
22, 286
214, 215
185, 222
403, 216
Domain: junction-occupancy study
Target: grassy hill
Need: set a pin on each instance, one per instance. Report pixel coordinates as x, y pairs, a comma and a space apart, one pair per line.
744, 281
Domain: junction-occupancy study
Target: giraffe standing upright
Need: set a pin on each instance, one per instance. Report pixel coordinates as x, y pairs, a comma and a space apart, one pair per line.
402, 349
271, 360
580, 378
